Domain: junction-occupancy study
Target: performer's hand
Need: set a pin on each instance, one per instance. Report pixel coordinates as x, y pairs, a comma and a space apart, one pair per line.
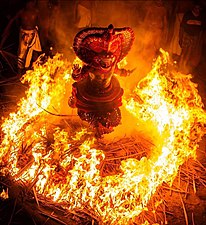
76, 71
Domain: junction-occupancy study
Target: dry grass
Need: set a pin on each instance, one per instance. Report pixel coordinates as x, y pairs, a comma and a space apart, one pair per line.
23, 199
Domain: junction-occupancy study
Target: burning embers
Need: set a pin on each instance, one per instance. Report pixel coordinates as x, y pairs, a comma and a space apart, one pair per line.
64, 164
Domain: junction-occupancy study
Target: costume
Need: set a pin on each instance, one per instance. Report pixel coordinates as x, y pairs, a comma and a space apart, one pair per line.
97, 93
28, 42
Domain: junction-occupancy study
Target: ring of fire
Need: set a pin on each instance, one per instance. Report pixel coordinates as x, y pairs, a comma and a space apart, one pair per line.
165, 99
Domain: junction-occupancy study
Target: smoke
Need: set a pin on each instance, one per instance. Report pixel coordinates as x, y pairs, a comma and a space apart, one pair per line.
120, 14
59, 23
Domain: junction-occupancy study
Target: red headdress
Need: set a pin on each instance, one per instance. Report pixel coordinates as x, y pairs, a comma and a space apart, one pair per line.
92, 42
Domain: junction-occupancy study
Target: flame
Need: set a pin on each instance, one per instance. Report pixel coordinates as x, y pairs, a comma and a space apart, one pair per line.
165, 99
122, 63
4, 194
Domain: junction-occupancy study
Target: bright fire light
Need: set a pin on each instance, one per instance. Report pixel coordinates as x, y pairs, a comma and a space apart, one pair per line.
167, 100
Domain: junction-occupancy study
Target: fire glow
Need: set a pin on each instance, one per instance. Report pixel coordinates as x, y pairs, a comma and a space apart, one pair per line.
165, 99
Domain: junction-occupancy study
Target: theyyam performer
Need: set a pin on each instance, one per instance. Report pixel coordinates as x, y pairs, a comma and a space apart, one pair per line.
96, 92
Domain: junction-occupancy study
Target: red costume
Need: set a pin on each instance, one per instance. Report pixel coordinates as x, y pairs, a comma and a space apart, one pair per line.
97, 93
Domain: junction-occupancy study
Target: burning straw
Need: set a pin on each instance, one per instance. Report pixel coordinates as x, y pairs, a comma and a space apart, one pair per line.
119, 182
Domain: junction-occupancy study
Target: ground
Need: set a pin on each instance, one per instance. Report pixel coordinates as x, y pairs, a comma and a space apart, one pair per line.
184, 202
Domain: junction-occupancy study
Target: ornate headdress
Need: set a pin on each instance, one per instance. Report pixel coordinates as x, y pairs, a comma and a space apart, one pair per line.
94, 41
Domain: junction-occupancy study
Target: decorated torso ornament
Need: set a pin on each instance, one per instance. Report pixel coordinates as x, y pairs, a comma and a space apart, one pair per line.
97, 93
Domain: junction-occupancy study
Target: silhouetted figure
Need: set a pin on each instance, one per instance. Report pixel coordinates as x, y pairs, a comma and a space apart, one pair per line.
174, 47
29, 43
191, 39
155, 28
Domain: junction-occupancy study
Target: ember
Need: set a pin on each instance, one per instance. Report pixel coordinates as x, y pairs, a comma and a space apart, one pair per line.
65, 164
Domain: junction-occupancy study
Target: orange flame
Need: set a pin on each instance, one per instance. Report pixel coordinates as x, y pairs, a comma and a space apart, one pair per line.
165, 99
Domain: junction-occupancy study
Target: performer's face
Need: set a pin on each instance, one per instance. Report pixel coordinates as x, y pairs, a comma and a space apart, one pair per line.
104, 61
106, 55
